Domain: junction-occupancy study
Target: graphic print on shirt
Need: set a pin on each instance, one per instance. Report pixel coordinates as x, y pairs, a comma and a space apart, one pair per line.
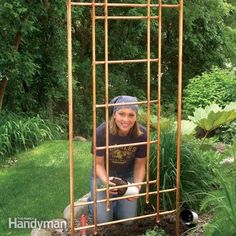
122, 155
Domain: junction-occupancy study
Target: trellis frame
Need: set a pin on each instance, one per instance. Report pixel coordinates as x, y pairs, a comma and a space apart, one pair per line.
106, 62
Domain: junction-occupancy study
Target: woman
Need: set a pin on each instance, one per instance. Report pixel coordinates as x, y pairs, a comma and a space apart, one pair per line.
124, 162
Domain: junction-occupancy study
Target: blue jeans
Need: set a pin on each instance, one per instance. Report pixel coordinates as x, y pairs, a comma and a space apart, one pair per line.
119, 209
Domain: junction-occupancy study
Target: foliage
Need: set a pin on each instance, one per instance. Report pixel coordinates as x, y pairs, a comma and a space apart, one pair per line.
165, 123
155, 232
224, 209
197, 176
19, 133
212, 116
230, 152
33, 42
204, 41
127, 40
33, 54
217, 86
230, 32
227, 132
187, 127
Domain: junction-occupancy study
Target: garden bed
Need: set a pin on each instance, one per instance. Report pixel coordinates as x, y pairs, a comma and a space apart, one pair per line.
137, 227
140, 227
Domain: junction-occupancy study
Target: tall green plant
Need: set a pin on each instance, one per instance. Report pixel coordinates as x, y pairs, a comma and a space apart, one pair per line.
224, 209
20, 133
197, 176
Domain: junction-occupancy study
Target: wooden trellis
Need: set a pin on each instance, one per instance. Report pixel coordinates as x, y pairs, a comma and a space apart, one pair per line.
106, 62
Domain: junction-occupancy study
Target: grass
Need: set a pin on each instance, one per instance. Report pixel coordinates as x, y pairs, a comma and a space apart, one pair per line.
37, 185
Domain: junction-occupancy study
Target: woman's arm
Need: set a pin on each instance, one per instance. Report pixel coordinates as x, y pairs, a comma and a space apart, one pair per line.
139, 173
101, 173
100, 169
139, 170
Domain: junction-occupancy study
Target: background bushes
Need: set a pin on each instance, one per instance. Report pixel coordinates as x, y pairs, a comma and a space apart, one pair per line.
18, 132
217, 86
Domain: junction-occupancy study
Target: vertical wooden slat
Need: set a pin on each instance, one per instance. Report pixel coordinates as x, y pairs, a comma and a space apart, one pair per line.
180, 60
107, 102
148, 99
70, 107
94, 115
159, 110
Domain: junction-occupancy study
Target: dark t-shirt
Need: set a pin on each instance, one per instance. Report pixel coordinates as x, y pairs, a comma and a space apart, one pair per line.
121, 159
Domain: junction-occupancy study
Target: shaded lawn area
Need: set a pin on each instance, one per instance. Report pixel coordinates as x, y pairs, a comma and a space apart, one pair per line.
37, 186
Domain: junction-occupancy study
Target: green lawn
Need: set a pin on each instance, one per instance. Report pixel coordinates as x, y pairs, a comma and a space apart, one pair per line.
37, 186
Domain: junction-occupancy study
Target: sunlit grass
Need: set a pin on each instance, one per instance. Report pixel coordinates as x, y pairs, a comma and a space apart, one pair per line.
37, 185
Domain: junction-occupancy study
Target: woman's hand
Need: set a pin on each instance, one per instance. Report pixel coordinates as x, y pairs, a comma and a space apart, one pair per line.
111, 184
134, 198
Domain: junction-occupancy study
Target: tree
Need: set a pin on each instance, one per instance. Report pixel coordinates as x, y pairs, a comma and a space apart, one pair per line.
230, 32
33, 60
13, 16
204, 42
34, 67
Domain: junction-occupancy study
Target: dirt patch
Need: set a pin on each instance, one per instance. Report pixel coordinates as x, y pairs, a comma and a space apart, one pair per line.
139, 227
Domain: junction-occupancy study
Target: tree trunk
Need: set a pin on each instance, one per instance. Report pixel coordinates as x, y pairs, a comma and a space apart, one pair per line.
46, 4
3, 84
17, 40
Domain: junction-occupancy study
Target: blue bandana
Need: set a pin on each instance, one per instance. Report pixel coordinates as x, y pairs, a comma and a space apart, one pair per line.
124, 99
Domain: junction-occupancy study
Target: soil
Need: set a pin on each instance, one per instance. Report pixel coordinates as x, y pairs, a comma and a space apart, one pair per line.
139, 227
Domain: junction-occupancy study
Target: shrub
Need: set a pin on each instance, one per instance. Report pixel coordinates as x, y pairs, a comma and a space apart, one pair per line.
227, 132
197, 176
217, 86
20, 133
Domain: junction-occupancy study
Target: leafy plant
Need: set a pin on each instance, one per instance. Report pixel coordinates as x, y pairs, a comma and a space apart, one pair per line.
227, 132
212, 116
187, 127
217, 86
166, 123
19, 133
155, 232
197, 175
224, 209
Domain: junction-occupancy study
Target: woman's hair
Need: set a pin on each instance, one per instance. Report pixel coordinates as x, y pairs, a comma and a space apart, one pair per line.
134, 131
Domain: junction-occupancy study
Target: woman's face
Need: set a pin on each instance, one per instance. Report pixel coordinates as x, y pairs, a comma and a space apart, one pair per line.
125, 119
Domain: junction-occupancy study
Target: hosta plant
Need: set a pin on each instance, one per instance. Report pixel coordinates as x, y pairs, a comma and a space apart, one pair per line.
213, 116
